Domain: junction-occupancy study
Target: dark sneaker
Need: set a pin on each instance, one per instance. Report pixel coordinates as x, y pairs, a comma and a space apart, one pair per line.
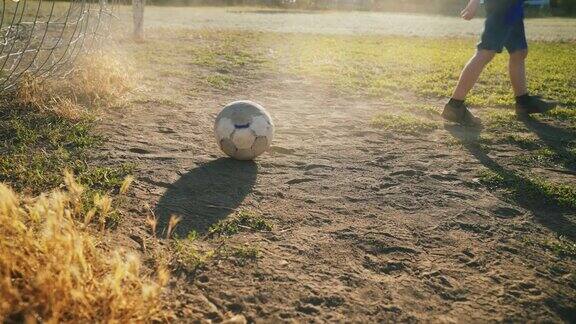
533, 105
461, 115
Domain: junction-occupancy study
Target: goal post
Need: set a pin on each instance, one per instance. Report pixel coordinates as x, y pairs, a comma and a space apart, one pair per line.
138, 16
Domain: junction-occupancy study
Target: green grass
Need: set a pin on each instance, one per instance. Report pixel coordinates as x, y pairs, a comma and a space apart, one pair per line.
563, 113
219, 60
219, 81
425, 109
524, 141
383, 66
188, 255
496, 120
561, 245
544, 157
37, 146
240, 255
394, 68
530, 190
407, 124
243, 220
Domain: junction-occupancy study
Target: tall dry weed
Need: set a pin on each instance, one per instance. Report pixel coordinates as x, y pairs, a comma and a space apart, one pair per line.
99, 79
52, 270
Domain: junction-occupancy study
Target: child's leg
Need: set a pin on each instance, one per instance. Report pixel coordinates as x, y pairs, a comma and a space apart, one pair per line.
518, 48
525, 104
472, 72
517, 70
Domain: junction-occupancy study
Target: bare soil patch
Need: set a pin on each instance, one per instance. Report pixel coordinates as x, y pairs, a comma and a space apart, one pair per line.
367, 224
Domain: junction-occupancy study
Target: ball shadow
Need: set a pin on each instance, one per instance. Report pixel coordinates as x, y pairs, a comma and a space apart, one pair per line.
206, 194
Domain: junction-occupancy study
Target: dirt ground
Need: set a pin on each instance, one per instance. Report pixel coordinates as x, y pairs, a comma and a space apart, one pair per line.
368, 225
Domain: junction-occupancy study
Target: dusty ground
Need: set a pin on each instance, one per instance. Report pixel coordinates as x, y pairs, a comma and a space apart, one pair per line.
368, 225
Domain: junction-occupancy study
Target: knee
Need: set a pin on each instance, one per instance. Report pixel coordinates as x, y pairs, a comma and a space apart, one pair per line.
520, 55
484, 56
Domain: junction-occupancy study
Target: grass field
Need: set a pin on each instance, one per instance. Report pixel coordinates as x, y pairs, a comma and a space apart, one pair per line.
392, 69
352, 93
342, 22
387, 66
526, 163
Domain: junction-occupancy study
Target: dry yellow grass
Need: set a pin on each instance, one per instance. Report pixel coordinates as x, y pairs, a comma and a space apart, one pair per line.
46, 125
52, 270
53, 266
98, 80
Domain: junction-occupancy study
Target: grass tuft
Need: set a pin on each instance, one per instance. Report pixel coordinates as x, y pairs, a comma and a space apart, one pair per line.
219, 81
243, 220
98, 80
561, 246
524, 141
191, 257
563, 113
403, 123
240, 255
531, 190
188, 255
46, 128
52, 270
543, 157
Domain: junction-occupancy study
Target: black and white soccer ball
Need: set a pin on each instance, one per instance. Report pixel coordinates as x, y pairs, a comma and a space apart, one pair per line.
244, 130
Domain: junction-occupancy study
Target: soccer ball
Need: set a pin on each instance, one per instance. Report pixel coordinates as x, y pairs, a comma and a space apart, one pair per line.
244, 130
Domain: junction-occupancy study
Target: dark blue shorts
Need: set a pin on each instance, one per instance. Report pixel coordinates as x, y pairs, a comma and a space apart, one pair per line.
504, 26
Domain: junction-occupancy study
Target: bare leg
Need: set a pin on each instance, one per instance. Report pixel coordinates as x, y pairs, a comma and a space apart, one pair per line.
472, 72
517, 70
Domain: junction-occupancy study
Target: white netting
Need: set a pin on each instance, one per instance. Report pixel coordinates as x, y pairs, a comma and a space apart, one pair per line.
41, 38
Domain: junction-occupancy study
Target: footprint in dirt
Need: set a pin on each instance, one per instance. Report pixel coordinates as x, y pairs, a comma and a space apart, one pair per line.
445, 177
332, 301
313, 166
408, 173
507, 212
282, 150
299, 180
139, 150
388, 267
166, 130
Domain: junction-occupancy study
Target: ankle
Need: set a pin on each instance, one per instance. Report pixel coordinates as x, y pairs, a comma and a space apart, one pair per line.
456, 102
523, 99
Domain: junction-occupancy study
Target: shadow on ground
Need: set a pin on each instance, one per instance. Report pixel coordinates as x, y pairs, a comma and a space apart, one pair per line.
555, 218
206, 194
556, 138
